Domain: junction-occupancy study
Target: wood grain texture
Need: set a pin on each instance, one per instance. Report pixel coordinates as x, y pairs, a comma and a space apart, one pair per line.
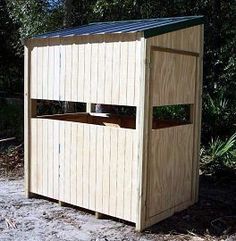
142, 125
170, 168
187, 39
173, 78
88, 69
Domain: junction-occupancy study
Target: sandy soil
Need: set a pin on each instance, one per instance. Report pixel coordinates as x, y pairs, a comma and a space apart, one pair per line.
38, 220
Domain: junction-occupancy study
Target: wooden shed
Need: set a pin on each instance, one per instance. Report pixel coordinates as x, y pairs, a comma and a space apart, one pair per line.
137, 168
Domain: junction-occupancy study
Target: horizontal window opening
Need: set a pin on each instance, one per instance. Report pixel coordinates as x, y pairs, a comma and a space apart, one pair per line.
114, 109
171, 115
105, 115
51, 107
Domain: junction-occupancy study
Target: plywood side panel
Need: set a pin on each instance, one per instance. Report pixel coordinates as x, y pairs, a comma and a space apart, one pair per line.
173, 78
187, 39
170, 168
104, 71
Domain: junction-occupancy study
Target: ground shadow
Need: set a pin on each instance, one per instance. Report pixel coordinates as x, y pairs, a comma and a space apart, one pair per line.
214, 214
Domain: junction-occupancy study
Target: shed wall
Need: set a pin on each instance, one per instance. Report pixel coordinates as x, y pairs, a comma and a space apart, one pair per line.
95, 69
173, 72
90, 166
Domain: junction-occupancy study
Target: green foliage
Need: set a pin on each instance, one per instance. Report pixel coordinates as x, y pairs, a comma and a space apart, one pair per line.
219, 154
33, 17
173, 112
219, 115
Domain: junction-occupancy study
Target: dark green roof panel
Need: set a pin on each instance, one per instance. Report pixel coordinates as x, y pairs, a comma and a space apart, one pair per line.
150, 27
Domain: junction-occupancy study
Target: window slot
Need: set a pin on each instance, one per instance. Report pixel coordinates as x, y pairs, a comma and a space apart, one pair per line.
106, 115
171, 115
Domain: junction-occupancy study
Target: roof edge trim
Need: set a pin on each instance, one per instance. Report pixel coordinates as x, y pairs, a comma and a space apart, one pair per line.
173, 27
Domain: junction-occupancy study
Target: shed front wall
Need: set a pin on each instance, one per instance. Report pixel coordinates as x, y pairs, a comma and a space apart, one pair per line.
96, 69
90, 166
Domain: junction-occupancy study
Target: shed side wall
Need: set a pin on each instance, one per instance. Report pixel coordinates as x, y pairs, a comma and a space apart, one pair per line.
186, 42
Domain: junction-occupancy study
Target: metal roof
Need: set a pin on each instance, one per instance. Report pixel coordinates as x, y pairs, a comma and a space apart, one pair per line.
150, 27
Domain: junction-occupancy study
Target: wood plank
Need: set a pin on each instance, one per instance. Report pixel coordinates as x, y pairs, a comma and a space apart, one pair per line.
86, 166
123, 72
56, 157
73, 164
87, 73
50, 159
127, 183
81, 72
142, 125
34, 157
197, 118
130, 82
62, 129
40, 156
57, 72
106, 170
120, 173
51, 70
94, 72
80, 156
113, 171
100, 164
68, 72
67, 161
109, 69
34, 69
40, 73
101, 73
45, 70
74, 77
175, 51
45, 157
62, 70
116, 72
93, 166
27, 67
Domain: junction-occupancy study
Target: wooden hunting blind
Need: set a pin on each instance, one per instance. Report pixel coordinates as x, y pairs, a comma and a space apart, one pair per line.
139, 168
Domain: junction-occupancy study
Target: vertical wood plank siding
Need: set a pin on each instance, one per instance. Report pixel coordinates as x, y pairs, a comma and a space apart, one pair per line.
94, 166
87, 69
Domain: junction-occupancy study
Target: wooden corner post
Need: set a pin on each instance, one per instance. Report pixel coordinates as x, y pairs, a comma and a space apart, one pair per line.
29, 111
143, 133
196, 117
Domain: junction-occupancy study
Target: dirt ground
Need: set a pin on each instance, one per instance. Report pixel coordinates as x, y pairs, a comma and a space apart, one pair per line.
21, 219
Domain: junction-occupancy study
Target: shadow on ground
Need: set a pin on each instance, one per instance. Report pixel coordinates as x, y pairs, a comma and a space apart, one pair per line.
214, 214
